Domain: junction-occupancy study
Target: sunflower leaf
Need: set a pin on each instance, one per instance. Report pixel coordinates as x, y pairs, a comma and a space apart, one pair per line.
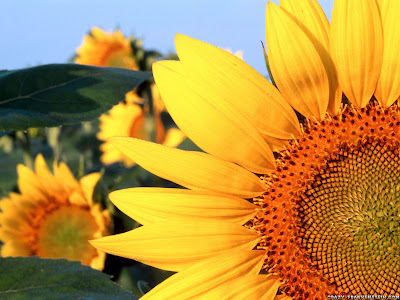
35, 278
61, 94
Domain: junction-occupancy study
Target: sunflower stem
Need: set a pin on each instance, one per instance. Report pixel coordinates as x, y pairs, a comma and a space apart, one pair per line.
24, 140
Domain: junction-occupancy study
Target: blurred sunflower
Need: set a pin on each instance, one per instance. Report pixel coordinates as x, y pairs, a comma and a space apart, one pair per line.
104, 49
133, 120
53, 216
317, 216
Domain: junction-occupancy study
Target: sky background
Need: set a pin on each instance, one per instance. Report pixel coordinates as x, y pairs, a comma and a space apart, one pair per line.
49, 31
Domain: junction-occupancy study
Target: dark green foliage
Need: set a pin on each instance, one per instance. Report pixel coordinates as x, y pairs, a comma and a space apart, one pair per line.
35, 278
60, 94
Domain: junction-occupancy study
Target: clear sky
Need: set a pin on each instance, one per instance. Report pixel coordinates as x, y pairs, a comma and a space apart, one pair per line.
49, 31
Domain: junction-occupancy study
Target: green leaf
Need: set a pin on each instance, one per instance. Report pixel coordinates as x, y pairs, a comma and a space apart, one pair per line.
61, 94
267, 64
35, 278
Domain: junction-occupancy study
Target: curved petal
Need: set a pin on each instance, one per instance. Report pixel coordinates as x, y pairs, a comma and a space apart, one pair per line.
153, 205
15, 247
64, 175
175, 245
46, 178
388, 88
88, 184
77, 198
314, 23
236, 83
208, 274
173, 137
194, 170
260, 287
213, 124
296, 65
356, 48
29, 183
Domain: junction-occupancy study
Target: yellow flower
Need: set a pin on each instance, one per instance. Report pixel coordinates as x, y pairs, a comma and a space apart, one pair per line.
53, 216
104, 49
125, 119
319, 216
130, 119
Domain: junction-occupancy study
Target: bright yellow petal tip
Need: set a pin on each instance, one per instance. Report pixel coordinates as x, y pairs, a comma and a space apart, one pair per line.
230, 80
356, 47
153, 205
388, 87
194, 170
296, 65
165, 245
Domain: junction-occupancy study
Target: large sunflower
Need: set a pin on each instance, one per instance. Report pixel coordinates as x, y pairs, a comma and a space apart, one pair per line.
319, 216
53, 216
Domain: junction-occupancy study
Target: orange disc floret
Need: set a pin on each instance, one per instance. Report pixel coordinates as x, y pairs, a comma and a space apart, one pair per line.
304, 215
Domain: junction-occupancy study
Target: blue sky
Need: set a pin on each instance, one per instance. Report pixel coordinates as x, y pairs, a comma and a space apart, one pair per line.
49, 31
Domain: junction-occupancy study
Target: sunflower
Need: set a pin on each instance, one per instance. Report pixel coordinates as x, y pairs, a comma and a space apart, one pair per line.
276, 208
104, 49
125, 119
53, 216
133, 120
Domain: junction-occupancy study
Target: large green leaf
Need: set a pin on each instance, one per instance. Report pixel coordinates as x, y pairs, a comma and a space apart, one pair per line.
60, 94
35, 278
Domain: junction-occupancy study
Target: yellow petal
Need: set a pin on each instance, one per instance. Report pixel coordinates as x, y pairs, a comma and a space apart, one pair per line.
64, 175
260, 287
296, 65
152, 205
194, 170
173, 137
209, 121
388, 88
312, 20
15, 248
175, 245
29, 184
310, 17
88, 183
111, 154
237, 84
356, 48
45, 176
196, 280
76, 198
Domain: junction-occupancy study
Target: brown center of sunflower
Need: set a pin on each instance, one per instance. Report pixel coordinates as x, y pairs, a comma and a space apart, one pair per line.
330, 219
350, 219
65, 232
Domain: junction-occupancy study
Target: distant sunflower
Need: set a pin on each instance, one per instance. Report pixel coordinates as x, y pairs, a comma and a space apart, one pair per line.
319, 215
104, 49
132, 120
53, 216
